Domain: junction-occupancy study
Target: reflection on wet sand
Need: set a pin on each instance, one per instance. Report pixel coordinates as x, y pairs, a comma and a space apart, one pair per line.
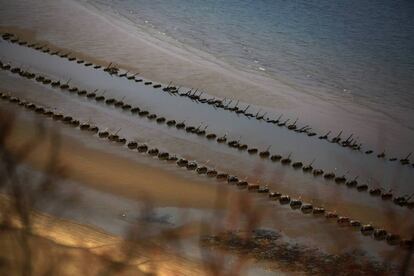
141, 139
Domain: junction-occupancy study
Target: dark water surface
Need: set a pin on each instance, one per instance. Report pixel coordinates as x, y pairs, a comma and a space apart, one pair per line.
344, 51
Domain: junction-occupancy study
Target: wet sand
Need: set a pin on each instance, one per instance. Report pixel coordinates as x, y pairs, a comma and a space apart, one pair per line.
280, 178
111, 173
294, 224
117, 171
109, 38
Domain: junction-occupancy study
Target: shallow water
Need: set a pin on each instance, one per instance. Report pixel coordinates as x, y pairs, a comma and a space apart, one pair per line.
277, 176
327, 156
103, 34
353, 51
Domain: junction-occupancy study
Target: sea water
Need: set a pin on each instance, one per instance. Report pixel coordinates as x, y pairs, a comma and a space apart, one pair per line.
343, 51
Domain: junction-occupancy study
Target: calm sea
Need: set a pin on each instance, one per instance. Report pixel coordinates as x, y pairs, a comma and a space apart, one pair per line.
346, 51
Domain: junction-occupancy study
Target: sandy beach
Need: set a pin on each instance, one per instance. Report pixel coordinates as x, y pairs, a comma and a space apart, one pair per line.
166, 61
142, 119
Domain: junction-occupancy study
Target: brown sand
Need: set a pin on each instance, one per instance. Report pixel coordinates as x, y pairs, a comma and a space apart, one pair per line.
116, 175
112, 173
97, 169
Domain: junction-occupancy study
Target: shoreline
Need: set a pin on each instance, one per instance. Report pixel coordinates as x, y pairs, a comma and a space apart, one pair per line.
292, 94
122, 145
187, 70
